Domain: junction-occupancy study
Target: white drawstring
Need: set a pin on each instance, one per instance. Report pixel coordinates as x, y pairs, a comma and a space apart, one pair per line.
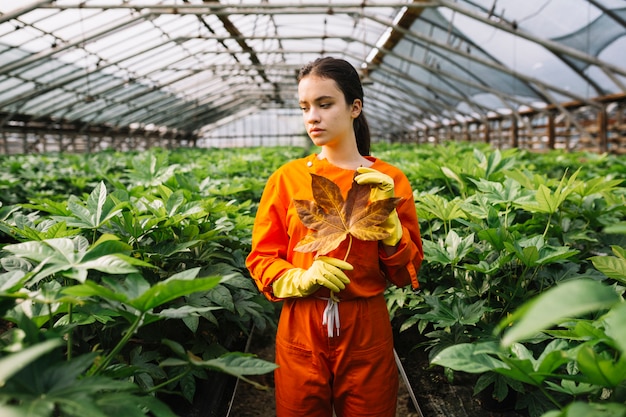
330, 318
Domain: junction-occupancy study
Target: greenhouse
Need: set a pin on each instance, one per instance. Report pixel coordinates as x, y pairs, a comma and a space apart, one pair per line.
147, 145
91, 75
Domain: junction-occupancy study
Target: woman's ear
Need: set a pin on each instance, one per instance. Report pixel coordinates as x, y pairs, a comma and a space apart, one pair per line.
357, 106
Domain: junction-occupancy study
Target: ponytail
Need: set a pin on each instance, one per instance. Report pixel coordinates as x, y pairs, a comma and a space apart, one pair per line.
362, 132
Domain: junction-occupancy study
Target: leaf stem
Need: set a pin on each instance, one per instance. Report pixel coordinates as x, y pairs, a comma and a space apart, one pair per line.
108, 358
169, 381
345, 258
70, 333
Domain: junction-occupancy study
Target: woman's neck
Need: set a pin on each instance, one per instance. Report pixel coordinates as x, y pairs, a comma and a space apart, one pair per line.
345, 159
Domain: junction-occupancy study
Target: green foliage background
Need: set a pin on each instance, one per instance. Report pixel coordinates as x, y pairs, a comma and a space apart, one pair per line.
125, 272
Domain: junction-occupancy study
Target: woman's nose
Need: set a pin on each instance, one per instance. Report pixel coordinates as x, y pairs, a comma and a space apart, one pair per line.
312, 115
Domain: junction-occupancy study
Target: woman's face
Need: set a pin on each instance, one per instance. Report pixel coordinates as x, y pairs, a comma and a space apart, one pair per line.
327, 117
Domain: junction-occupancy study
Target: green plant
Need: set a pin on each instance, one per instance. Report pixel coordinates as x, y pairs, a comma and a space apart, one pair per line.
496, 232
143, 279
65, 308
576, 358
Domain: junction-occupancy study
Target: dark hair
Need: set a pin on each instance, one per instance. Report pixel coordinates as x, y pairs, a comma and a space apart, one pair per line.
348, 81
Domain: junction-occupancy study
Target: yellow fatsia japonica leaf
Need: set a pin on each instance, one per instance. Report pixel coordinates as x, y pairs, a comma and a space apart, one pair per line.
332, 218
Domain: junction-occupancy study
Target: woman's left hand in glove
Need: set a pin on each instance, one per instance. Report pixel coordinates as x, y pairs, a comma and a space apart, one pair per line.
382, 187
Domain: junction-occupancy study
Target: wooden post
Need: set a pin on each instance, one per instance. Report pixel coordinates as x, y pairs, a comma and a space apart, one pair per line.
514, 132
487, 131
551, 131
603, 142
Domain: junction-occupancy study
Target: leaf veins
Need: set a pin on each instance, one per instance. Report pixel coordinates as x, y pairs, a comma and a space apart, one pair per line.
332, 218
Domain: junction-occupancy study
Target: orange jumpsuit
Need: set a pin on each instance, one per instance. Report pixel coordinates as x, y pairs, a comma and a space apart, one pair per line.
355, 371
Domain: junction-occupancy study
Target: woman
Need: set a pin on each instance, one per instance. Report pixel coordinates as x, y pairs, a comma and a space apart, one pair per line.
334, 355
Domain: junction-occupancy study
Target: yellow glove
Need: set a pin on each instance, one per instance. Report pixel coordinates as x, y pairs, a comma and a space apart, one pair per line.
382, 188
382, 184
325, 271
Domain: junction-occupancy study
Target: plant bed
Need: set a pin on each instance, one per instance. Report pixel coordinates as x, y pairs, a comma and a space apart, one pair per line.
213, 394
435, 395
211, 400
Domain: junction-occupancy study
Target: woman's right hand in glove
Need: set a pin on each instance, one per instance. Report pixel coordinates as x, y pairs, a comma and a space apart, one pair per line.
325, 271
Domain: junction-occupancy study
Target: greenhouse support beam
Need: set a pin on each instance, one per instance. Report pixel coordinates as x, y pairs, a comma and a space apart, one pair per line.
408, 16
18, 12
555, 47
76, 42
526, 79
609, 12
216, 8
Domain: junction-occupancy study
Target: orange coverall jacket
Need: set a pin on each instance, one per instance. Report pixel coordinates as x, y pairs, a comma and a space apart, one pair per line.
277, 230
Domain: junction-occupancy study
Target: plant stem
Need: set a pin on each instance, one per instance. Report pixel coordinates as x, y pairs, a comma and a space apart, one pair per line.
70, 334
545, 232
539, 385
169, 381
345, 258
108, 358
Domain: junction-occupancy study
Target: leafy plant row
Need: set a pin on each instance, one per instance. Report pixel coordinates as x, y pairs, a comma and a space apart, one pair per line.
123, 279
524, 273
124, 272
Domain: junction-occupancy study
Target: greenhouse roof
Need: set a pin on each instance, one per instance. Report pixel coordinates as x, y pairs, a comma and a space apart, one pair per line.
190, 66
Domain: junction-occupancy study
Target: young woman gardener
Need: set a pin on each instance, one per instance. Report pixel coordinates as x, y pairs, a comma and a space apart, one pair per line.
334, 355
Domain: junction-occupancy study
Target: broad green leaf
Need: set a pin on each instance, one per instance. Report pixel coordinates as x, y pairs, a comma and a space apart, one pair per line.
566, 300
237, 364
11, 282
584, 409
96, 201
572, 388
185, 311
549, 202
553, 356
596, 185
619, 251
614, 326
467, 357
435, 206
13, 363
616, 228
111, 264
450, 251
93, 213
454, 176
549, 254
33, 250
170, 289
528, 255
34, 408
612, 266
500, 192
174, 202
71, 257
459, 247
601, 370
158, 408
151, 170
91, 289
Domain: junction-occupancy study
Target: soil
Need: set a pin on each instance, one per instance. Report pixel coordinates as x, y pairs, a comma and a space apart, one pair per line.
435, 396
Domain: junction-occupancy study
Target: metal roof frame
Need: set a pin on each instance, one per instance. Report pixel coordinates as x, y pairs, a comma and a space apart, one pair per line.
197, 65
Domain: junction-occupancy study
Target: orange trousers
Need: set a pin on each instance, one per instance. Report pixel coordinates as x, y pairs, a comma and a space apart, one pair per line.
355, 372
